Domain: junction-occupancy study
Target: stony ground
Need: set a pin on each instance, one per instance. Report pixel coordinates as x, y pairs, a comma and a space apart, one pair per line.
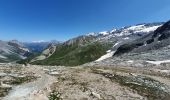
83, 83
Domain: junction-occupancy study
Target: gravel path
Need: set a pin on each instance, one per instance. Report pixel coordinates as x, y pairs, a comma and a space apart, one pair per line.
32, 90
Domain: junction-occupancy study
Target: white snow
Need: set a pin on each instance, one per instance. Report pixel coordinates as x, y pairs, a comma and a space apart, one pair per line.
54, 73
104, 33
130, 61
158, 62
116, 44
96, 34
135, 27
149, 29
91, 34
3, 57
113, 30
108, 51
126, 38
108, 55
122, 33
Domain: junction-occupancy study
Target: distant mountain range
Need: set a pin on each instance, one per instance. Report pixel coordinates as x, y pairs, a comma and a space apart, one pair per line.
147, 41
153, 46
99, 46
39, 46
12, 51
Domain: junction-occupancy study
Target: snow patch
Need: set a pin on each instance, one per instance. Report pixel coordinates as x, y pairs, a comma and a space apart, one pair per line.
158, 62
114, 30
135, 27
108, 55
130, 61
3, 57
149, 29
108, 51
54, 73
126, 38
104, 33
116, 44
91, 34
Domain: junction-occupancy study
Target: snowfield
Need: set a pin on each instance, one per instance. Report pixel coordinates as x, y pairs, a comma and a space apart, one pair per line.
158, 62
108, 55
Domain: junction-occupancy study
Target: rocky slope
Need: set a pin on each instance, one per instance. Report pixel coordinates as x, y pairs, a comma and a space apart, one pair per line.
154, 46
12, 51
39, 46
149, 50
16, 51
46, 53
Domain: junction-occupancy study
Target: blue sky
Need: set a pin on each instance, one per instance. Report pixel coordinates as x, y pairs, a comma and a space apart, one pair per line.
33, 20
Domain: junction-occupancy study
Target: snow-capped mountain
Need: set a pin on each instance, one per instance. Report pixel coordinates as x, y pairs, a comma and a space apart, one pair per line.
126, 33
140, 29
153, 41
100, 33
96, 45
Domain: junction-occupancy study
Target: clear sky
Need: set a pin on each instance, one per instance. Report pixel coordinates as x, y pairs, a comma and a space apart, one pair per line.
33, 20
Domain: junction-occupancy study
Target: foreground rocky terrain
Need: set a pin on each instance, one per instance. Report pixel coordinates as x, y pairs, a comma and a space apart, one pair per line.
32, 82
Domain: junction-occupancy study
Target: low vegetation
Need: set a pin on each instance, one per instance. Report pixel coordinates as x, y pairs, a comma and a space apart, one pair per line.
20, 80
4, 91
29, 58
54, 95
145, 86
73, 55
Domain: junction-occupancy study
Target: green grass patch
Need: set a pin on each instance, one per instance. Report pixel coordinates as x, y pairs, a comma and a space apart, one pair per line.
73, 55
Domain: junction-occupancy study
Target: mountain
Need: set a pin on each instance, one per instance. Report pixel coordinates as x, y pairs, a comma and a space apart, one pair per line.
76, 51
95, 46
39, 46
155, 45
12, 51
46, 53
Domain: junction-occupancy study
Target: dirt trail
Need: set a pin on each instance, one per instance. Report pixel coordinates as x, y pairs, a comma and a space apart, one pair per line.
32, 90
80, 83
